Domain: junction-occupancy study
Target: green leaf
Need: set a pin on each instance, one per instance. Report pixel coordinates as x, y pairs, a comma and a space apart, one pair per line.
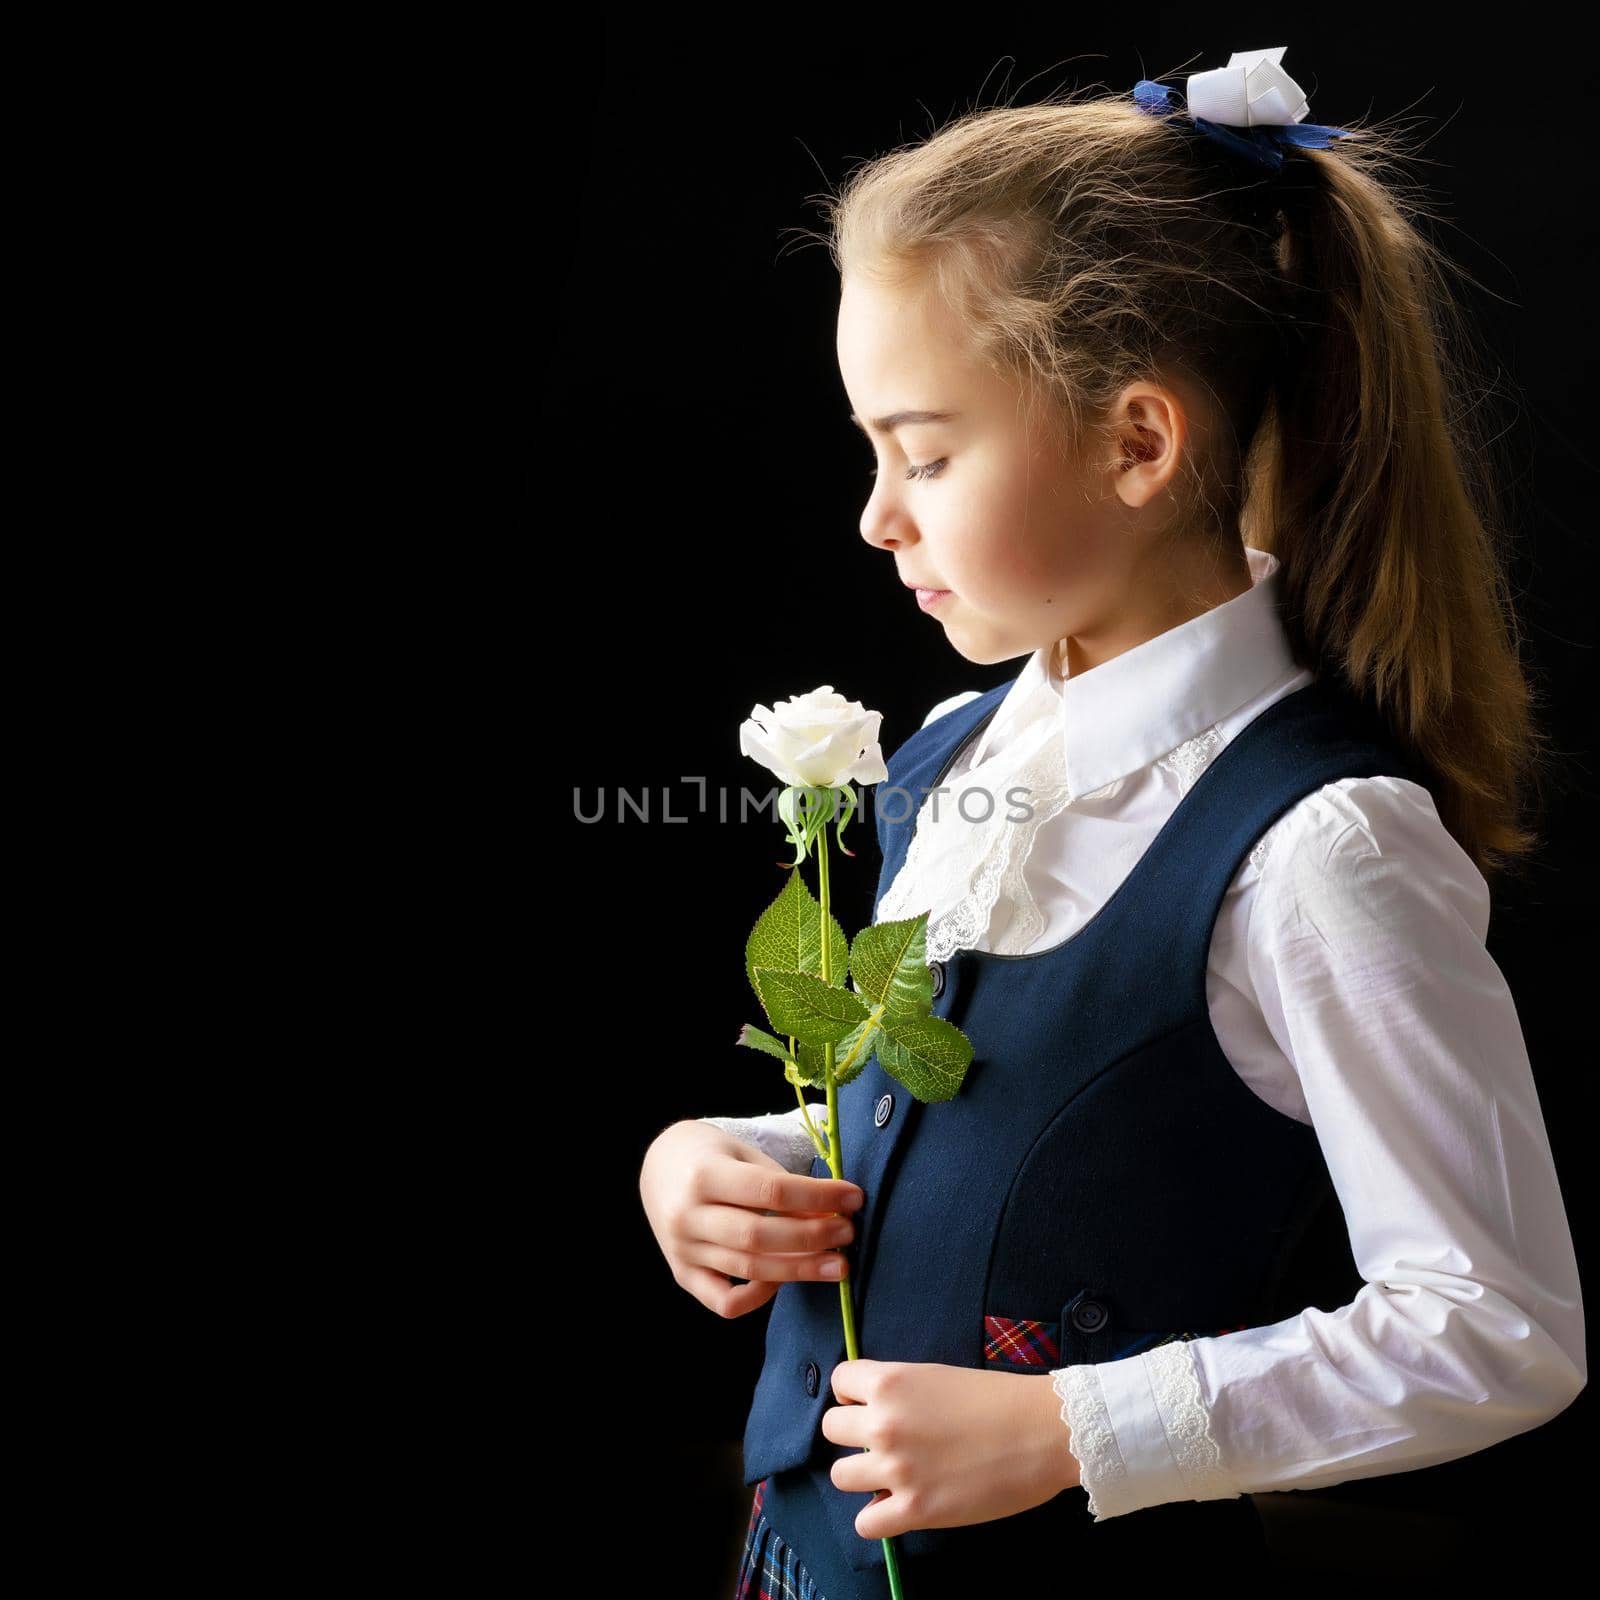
756, 1039
806, 1007
889, 962
788, 935
841, 1052
928, 1055
809, 1069
810, 1066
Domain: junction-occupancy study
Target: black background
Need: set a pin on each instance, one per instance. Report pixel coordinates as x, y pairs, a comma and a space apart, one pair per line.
711, 558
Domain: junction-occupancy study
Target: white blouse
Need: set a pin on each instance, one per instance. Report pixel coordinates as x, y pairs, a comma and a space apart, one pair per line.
1350, 988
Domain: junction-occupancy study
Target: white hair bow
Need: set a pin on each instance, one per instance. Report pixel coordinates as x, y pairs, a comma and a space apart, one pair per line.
1252, 94
1252, 91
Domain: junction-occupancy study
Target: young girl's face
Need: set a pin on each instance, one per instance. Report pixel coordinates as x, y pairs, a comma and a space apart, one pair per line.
980, 503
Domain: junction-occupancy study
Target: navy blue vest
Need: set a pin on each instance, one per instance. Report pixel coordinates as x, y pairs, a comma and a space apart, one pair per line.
1102, 1182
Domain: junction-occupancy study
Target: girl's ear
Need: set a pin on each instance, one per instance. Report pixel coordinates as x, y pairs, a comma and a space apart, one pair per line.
1152, 433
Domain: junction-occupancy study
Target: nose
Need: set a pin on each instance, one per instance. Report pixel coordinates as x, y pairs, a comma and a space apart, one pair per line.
885, 526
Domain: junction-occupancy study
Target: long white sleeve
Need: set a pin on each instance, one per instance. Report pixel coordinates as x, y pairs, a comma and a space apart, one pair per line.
780, 1134
1367, 958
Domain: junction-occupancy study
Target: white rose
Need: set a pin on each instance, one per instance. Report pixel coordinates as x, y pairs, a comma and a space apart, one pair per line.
818, 740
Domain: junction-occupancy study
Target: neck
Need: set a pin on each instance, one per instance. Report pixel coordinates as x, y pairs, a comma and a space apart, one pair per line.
1070, 657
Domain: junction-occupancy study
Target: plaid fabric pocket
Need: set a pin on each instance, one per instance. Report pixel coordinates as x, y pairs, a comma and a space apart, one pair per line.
1020, 1342
1027, 1344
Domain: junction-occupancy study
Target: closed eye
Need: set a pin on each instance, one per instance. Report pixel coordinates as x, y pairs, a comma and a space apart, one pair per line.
919, 474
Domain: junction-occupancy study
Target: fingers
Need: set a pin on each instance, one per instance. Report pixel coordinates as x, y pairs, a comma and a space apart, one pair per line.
737, 1242
888, 1516
716, 1243
734, 1228
714, 1291
766, 1186
848, 1425
826, 1264
863, 1473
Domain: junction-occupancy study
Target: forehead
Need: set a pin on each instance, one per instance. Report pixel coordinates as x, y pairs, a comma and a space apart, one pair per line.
899, 340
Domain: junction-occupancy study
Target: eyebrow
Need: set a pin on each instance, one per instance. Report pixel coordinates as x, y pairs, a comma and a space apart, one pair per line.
903, 419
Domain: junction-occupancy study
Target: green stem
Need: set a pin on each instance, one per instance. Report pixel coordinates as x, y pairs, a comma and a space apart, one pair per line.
839, 1070
805, 1111
836, 1160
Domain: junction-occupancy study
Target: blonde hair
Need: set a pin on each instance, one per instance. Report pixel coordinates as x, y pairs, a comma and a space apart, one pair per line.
1085, 243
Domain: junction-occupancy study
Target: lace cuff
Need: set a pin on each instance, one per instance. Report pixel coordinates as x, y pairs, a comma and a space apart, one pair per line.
779, 1134
1141, 1432
1092, 1439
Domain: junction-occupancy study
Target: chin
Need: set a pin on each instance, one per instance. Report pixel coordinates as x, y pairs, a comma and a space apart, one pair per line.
984, 652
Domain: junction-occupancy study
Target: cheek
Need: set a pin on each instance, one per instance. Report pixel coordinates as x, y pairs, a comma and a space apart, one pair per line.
1007, 535
1036, 545
1018, 536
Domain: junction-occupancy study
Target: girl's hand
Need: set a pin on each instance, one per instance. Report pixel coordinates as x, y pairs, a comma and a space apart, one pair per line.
944, 1446
721, 1209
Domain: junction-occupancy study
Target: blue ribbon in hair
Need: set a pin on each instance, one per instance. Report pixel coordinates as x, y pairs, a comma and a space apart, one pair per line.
1263, 144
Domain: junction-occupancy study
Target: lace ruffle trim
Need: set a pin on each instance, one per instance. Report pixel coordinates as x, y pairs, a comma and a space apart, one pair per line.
1191, 758
1175, 1383
1090, 1437
994, 859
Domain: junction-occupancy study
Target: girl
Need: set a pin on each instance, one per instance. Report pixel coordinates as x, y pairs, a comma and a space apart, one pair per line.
1247, 1187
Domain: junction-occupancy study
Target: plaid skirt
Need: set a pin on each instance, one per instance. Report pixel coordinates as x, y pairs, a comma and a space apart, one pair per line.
770, 1569
1170, 1543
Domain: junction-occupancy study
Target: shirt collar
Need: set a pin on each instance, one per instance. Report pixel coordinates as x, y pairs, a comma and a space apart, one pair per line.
1123, 714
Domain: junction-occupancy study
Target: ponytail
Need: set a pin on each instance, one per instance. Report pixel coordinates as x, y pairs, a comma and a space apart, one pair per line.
1374, 487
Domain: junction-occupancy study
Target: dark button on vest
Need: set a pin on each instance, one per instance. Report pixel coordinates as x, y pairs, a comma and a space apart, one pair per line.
1088, 1316
1102, 1183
